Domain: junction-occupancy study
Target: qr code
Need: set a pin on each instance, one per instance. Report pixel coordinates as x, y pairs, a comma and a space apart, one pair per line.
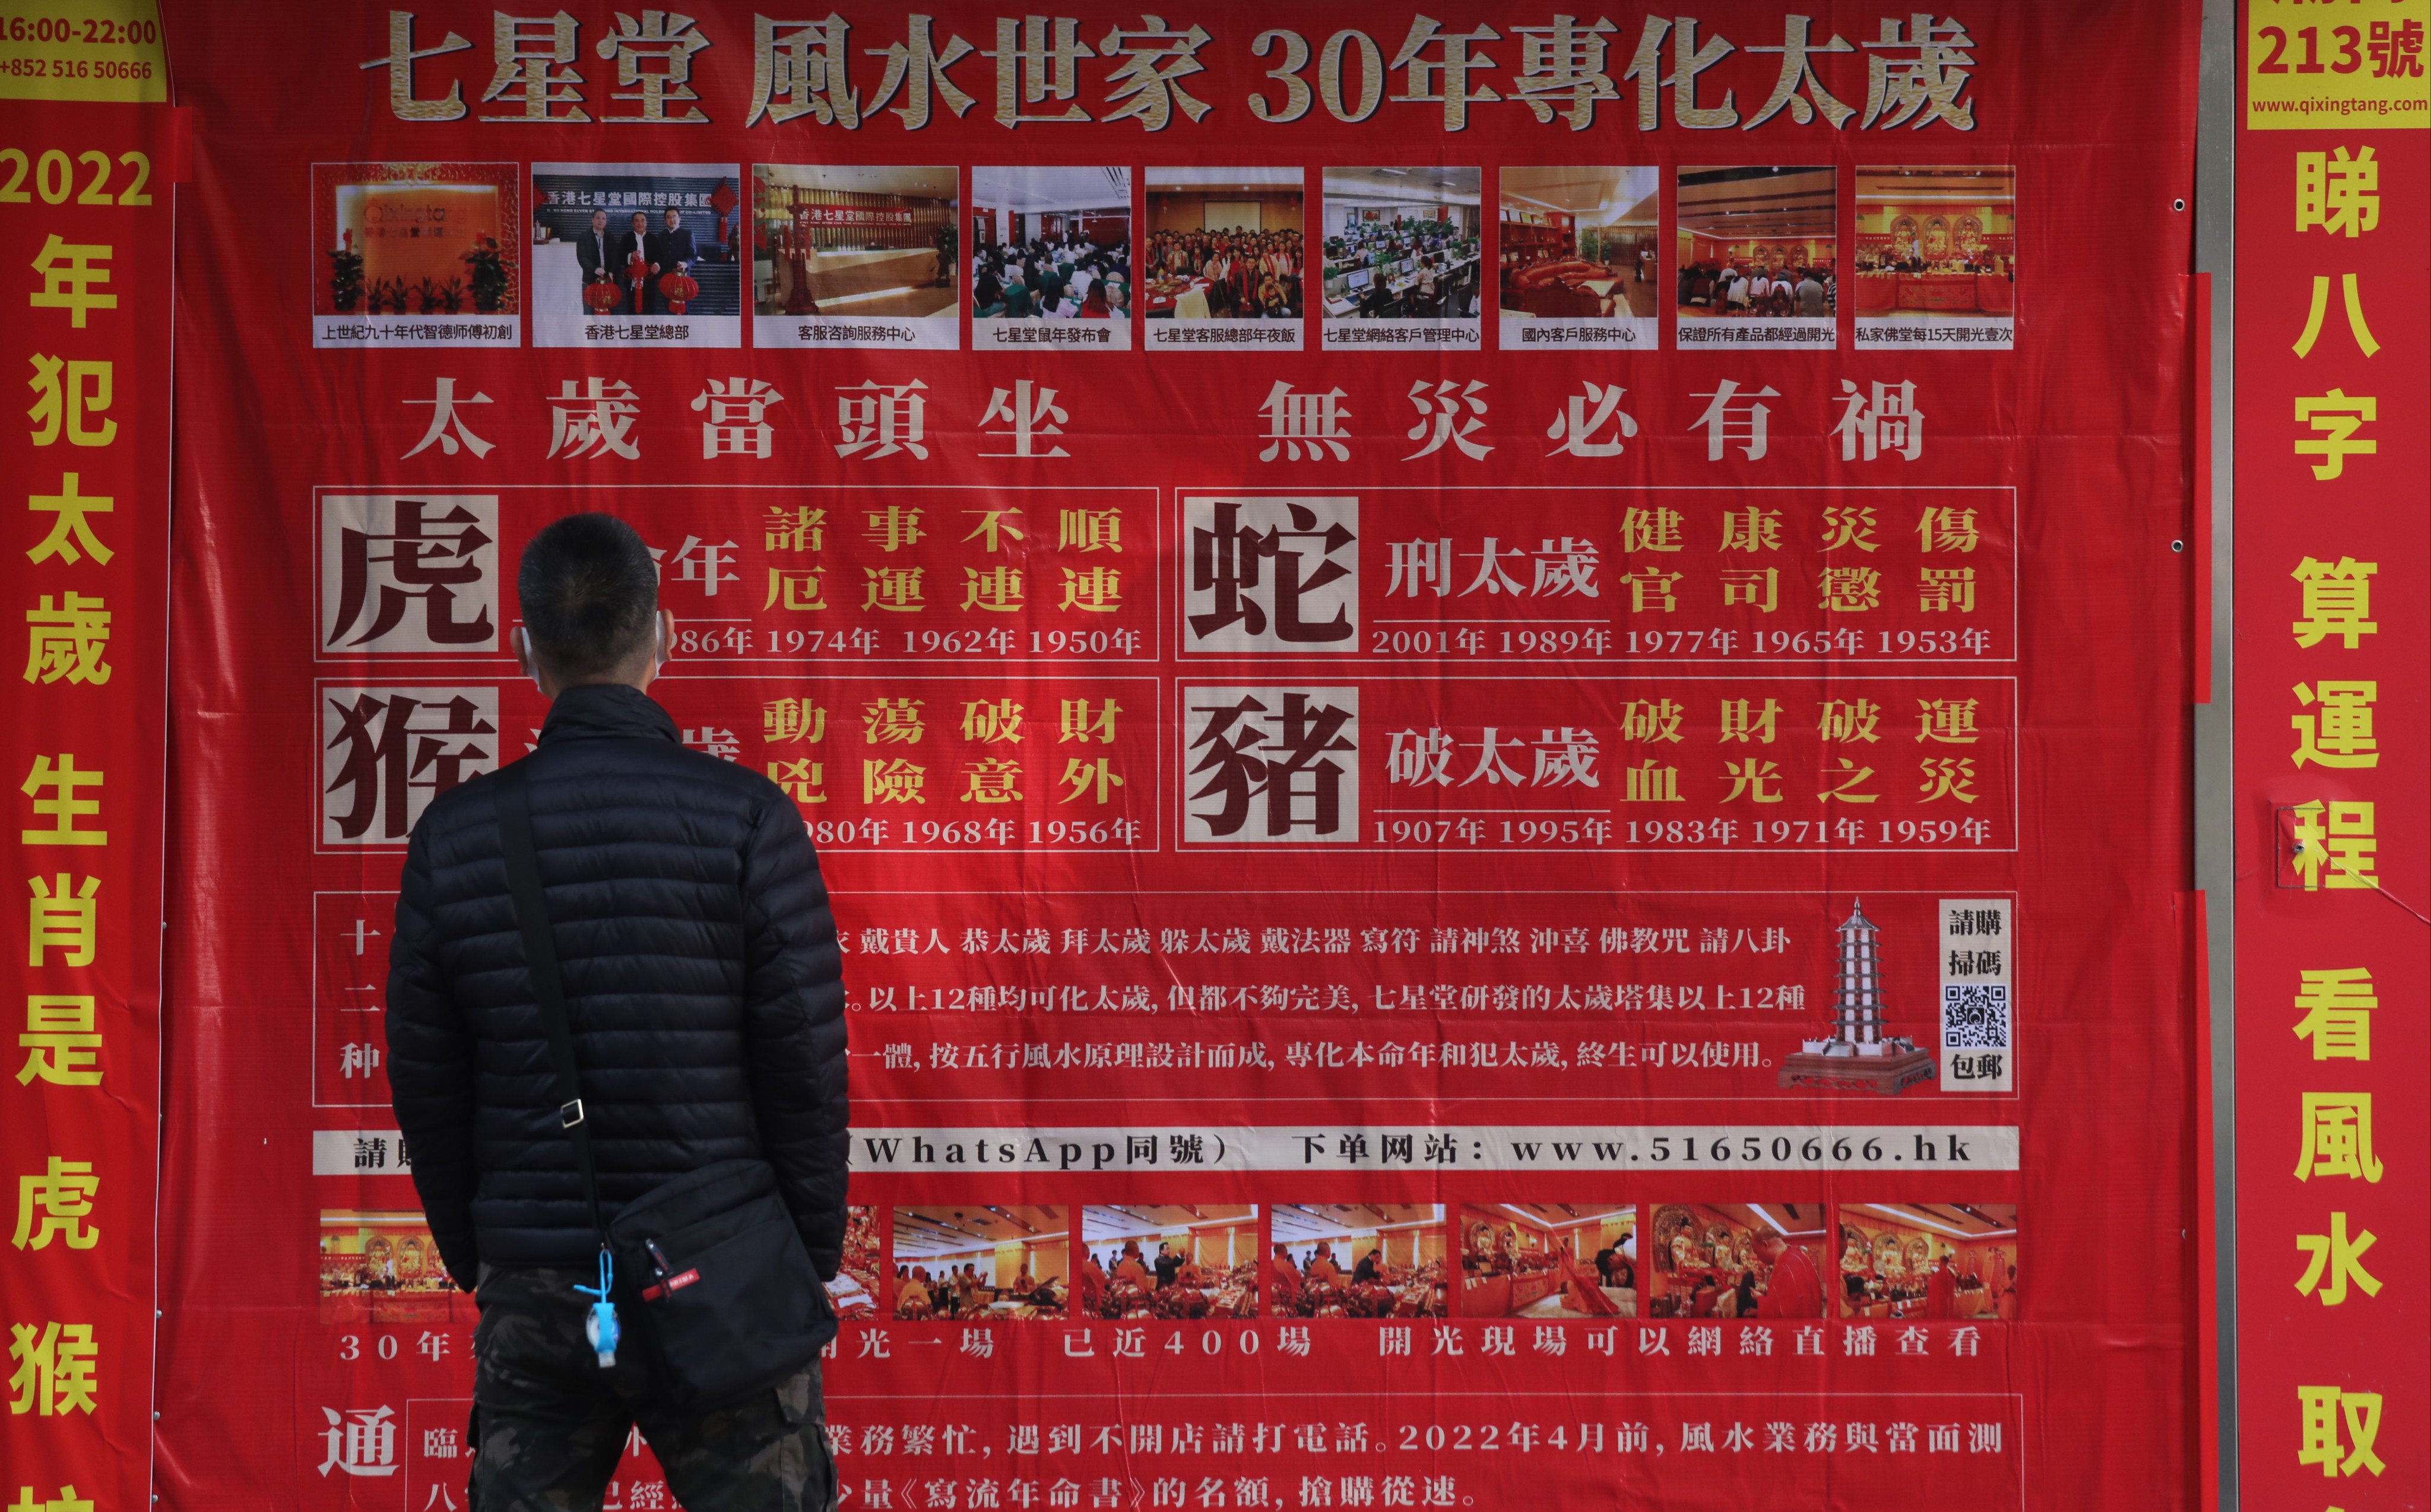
1975, 1017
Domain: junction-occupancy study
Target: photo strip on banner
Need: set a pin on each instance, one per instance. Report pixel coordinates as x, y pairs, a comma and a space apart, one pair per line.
1759, 267
644, 254
418, 254
1581, 258
1225, 262
1936, 264
1050, 258
847, 256
1404, 255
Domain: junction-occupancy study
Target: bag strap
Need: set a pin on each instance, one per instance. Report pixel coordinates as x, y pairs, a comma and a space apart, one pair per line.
540, 954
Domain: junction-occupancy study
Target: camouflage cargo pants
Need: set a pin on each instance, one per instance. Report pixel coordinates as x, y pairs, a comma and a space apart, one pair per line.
550, 1425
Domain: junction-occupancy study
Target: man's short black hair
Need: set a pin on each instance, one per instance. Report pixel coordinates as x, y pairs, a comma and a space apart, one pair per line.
590, 596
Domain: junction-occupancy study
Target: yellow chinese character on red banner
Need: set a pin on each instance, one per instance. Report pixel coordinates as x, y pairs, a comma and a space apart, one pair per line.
1093, 590
2334, 419
1752, 529
64, 807
2338, 191
897, 780
1948, 528
64, 394
60, 919
1754, 780
2337, 601
1757, 587
1089, 529
798, 530
2322, 1408
1089, 779
2335, 1260
2334, 845
895, 589
54, 1365
1849, 720
61, 1041
71, 538
1077, 720
2337, 1138
68, 641
992, 780
1739, 719
787, 719
892, 722
795, 590
2338, 1012
54, 1205
1946, 777
2352, 296
1948, 721
994, 527
995, 722
1851, 590
804, 781
69, 278
2342, 733
998, 589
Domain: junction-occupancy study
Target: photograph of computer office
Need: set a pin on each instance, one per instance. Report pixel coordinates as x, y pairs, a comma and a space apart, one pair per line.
1402, 243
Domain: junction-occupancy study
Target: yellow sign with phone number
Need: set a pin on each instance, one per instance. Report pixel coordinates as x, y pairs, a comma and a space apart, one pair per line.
106, 50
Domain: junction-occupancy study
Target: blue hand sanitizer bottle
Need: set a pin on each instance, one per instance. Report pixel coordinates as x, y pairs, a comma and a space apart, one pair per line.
601, 1327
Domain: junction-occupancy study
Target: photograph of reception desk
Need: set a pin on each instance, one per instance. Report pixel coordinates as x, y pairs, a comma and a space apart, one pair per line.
1141, 1260
1708, 1259
1357, 1260
830, 240
978, 1264
1547, 1261
1935, 247
1954, 1262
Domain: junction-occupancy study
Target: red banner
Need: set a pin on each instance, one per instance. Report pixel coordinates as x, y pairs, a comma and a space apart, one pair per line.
1452, 777
88, 160
2333, 159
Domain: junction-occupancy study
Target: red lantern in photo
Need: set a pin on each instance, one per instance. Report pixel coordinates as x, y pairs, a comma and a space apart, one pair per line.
602, 296
680, 288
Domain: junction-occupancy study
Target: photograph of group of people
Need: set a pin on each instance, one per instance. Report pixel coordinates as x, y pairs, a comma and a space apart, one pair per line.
1758, 241
1548, 1260
1142, 1260
1938, 1261
979, 1264
1223, 244
1402, 243
1357, 1260
384, 1268
1051, 245
619, 245
1580, 244
1735, 1260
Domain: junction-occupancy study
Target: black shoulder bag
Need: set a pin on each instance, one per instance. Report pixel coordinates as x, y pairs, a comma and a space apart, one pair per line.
711, 1278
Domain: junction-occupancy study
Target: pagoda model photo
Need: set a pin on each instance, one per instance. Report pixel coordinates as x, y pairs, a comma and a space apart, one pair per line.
1857, 1054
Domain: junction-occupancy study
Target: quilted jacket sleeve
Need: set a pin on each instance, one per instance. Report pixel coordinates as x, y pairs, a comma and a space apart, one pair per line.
795, 1027
431, 1072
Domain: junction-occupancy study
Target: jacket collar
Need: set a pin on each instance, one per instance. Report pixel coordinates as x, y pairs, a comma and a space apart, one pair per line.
602, 711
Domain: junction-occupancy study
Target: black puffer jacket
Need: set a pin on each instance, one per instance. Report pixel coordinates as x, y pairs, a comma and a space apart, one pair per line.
701, 976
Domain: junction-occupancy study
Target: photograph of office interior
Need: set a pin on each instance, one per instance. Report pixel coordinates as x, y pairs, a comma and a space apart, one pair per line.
1223, 244
1757, 241
1402, 243
860, 241
1936, 245
1578, 243
1954, 1262
979, 1264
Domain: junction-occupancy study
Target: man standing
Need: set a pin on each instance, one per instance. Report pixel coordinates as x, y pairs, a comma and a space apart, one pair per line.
669, 250
703, 990
1941, 1290
591, 252
1796, 1291
634, 243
